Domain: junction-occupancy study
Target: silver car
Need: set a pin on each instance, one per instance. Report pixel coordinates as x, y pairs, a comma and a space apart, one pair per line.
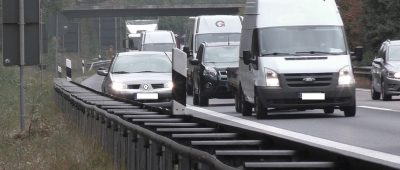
144, 76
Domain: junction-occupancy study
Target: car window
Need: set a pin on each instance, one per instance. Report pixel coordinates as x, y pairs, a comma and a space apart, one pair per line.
394, 53
167, 47
158, 63
221, 54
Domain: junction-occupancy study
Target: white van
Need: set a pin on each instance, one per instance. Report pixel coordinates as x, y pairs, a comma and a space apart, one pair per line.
294, 55
210, 29
161, 40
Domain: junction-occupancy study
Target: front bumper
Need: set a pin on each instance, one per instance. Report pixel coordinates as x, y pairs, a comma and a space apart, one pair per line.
291, 97
392, 86
163, 95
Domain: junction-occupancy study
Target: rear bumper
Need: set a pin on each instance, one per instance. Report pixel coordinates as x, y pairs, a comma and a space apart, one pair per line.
336, 96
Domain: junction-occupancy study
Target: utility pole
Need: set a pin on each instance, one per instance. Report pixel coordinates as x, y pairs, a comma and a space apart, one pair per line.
22, 60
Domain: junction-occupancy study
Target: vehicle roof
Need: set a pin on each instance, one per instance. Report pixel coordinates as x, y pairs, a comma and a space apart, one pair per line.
215, 44
394, 42
219, 24
273, 13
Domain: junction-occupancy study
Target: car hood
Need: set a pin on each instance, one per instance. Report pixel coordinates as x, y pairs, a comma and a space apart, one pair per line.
139, 78
395, 65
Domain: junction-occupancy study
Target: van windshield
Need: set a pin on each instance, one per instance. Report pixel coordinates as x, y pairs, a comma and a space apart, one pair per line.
394, 53
302, 40
217, 37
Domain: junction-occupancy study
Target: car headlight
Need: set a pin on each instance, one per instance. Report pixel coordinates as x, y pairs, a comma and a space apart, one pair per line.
117, 86
271, 78
169, 85
394, 75
209, 71
345, 76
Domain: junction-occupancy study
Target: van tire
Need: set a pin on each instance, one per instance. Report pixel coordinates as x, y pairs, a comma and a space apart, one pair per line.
195, 98
203, 100
246, 107
350, 111
374, 94
261, 111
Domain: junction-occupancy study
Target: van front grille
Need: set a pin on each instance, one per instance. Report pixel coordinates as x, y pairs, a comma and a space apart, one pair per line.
309, 80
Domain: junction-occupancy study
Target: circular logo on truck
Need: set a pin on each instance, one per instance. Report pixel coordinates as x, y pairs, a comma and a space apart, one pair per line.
220, 24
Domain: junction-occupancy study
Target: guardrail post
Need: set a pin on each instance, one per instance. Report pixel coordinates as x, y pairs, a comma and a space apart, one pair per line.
179, 63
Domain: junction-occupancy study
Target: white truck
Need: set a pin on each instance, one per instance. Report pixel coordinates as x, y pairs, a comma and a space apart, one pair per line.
134, 28
209, 29
294, 55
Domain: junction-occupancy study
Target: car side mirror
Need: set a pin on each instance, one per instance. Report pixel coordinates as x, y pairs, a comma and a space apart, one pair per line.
358, 53
102, 72
247, 57
378, 61
194, 62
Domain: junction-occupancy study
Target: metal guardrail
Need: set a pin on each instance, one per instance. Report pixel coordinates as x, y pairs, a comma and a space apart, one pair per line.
143, 137
132, 146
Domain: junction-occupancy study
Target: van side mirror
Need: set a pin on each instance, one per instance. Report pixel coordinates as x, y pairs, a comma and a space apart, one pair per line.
358, 53
102, 71
378, 61
247, 57
194, 62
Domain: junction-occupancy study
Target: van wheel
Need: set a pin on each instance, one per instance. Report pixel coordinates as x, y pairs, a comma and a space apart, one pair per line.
374, 94
246, 107
195, 97
203, 100
237, 102
350, 111
329, 110
261, 111
385, 97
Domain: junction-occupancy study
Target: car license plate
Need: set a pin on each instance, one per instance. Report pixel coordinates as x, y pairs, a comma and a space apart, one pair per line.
147, 96
313, 96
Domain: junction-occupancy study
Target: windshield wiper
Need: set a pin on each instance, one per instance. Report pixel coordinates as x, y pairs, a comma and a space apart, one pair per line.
317, 52
120, 72
276, 54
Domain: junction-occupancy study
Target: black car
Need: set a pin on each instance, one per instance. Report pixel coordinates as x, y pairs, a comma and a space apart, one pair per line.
209, 71
386, 71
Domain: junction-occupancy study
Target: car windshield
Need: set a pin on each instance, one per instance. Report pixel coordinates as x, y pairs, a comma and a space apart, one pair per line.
219, 37
394, 53
221, 54
142, 63
161, 47
302, 40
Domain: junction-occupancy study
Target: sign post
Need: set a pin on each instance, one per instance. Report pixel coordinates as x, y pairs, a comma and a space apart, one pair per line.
21, 35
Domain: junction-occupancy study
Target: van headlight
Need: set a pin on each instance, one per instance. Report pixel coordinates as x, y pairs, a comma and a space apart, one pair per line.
394, 75
271, 78
169, 85
345, 76
209, 71
117, 86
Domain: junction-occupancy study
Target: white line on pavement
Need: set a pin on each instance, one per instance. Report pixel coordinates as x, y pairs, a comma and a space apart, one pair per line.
366, 153
376, 108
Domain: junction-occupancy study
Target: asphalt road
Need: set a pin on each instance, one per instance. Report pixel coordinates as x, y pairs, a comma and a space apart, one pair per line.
376, 125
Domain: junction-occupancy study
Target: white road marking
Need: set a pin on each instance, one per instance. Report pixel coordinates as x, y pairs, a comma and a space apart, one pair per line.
376, 156
376, 108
